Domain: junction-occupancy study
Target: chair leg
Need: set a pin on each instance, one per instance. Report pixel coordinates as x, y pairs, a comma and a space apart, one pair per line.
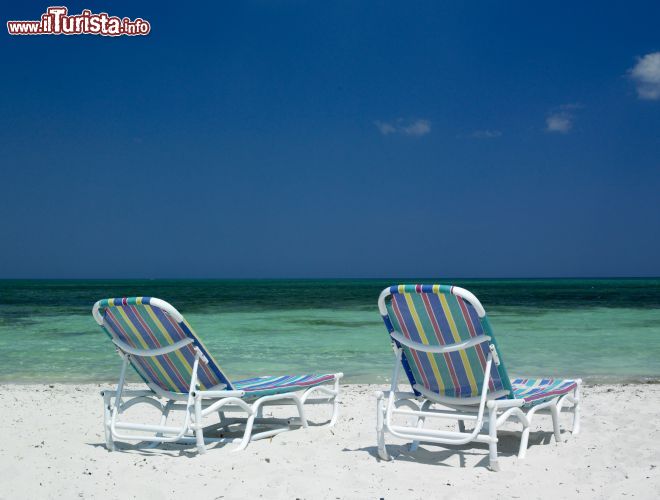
382, 448
335, 412
335, 405
107, 415
576, 409
199, 430
163, 422
461, 425
554, 410
492, 433
415, 444
248, 432
380, 428
301, 411
527, 428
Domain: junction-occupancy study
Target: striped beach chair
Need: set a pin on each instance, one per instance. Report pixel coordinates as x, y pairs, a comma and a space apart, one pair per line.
444, 345
180, 373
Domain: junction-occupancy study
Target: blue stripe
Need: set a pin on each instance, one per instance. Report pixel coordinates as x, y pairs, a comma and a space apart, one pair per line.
404, 358
388, 323
131, 315
213, 367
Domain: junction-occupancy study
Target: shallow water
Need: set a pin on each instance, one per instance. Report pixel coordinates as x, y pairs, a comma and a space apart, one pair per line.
601, 330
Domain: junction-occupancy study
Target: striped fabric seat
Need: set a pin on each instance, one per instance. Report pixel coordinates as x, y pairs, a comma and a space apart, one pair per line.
264, 386
535, 391
135, 322
432, 315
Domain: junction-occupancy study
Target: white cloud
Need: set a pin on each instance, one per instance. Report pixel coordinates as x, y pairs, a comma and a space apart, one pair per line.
385, 128
486, 134
646, 74
561, 120
404, 127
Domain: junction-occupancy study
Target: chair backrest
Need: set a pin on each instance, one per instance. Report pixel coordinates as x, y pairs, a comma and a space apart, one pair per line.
441, 315
147, 324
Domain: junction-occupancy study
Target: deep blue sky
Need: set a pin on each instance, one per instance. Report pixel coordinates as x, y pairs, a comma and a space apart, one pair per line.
332, 139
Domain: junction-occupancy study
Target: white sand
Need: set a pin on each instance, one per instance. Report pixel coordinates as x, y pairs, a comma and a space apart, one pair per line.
52, 447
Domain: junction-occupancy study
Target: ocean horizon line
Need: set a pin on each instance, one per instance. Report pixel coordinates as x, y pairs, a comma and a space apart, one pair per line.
321, 278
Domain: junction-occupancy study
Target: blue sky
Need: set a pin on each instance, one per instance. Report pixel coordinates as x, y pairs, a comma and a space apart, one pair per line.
334, 139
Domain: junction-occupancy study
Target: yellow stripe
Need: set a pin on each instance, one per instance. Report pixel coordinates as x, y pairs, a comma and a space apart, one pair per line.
436, 288
166, 334
457, 338
146, 346
425, 340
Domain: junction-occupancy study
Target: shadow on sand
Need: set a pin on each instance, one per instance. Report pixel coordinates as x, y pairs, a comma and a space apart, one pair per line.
508, 445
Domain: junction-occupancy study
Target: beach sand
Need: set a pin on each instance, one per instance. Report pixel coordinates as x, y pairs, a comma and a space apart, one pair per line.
53, 447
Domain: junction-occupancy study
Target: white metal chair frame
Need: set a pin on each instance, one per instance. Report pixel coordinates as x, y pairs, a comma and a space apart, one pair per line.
198, 404
473, 409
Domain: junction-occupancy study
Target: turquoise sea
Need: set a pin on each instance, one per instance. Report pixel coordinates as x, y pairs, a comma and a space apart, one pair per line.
603, 330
